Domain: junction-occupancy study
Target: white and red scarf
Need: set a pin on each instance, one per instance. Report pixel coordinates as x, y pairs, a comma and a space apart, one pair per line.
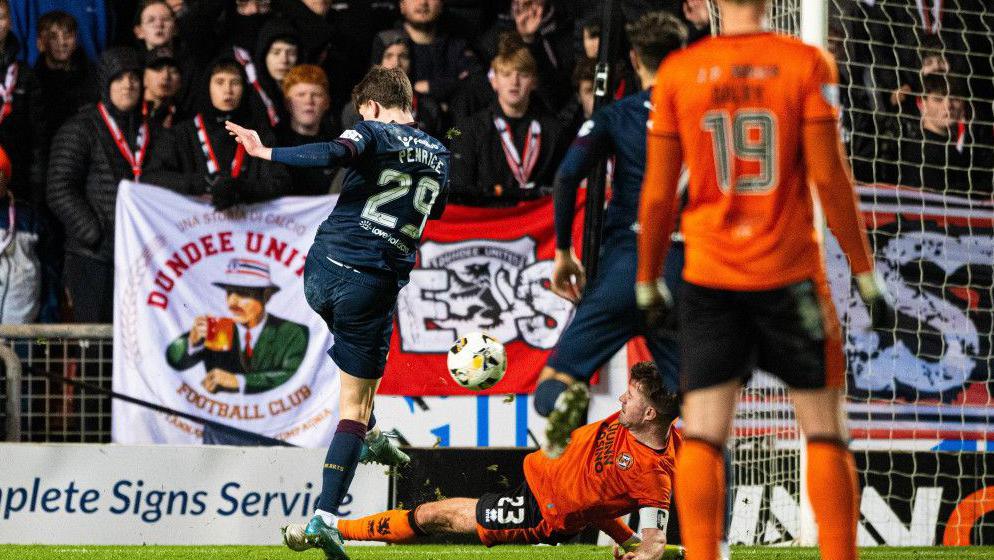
522, 164
137, 158
213, 166
243, 58
931, 16
7, 91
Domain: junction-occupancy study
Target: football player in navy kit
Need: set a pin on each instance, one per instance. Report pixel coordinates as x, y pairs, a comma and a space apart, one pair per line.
607, 316
396, 179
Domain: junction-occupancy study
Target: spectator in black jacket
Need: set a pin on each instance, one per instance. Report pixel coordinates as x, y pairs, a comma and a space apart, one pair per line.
242, 20
22, 117
209, 160
938, 151
91, 153
162, 82
276, 52
67, 79
158, 30
628, 81
509, 152
581, 106
427, 113
439, 61
307, 101
337, 40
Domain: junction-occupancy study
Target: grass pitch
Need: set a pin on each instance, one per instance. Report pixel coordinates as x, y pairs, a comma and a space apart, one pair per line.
444, 552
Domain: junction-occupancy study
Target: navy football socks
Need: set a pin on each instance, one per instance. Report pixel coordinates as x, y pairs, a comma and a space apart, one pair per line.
546, 394
340, 464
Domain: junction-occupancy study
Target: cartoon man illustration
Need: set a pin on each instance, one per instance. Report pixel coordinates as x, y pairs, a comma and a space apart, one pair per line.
251, 352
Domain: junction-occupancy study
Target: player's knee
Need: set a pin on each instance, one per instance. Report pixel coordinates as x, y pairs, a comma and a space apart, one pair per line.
434, 518
356, 398
426, 517
546, 394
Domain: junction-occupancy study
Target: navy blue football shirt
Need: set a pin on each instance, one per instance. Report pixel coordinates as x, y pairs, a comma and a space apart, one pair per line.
396, 178
617, 129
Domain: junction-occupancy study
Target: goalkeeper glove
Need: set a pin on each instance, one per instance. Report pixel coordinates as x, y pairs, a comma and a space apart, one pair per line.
655, 301
872, 290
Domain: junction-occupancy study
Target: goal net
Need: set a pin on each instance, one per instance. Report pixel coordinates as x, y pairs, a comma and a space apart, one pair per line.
916, 97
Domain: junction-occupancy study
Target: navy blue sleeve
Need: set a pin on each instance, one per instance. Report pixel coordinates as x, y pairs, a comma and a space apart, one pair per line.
339, 152
438, 208
592, 143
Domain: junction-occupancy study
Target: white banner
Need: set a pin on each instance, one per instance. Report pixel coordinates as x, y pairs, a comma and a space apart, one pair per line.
129, 495
211, 320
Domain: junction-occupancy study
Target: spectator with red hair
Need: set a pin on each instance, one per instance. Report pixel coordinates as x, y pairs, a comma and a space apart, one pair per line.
305, 90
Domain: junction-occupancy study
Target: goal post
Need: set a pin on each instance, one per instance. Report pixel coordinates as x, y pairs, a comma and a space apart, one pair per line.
917, 102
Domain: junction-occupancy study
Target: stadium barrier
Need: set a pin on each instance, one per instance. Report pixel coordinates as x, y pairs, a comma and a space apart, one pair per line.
160, 494
38, 410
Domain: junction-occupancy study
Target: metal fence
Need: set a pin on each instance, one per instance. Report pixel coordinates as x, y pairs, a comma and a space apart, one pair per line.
36, 409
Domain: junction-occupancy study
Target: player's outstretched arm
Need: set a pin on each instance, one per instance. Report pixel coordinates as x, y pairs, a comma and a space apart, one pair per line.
657, 217
588, 148
831, 175
620, 532
250, 139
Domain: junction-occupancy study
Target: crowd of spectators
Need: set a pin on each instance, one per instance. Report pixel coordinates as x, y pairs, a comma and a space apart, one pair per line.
917, 91
140, 89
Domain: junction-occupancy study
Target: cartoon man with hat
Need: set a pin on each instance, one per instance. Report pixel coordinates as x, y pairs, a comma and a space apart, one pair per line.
250, 352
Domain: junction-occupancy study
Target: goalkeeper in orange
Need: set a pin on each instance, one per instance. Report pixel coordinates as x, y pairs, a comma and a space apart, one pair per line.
755, 117
609, 469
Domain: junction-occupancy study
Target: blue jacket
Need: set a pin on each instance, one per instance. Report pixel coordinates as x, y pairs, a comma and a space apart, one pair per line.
91, 17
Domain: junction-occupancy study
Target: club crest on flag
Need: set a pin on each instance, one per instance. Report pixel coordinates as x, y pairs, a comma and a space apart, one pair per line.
499, 287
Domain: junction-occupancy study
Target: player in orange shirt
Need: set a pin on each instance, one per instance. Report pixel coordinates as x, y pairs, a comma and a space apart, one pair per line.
609, 469
754, 116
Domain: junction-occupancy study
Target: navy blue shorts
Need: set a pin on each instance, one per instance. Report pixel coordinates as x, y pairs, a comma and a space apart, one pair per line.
358, 307
607, 316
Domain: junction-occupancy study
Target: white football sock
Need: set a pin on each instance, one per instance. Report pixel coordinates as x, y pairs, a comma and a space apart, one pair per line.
330, 519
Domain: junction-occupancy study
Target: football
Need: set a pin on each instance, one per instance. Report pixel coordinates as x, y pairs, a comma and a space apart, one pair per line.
477, 361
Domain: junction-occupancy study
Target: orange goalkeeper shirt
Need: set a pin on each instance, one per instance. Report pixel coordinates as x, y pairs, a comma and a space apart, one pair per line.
738, 105
603, 474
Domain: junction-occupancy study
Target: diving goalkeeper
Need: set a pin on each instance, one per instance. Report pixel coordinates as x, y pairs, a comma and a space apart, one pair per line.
609, 469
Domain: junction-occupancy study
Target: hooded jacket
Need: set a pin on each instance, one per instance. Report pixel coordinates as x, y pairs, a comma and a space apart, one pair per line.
22, 132
182, 153
272, 31
86, 164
